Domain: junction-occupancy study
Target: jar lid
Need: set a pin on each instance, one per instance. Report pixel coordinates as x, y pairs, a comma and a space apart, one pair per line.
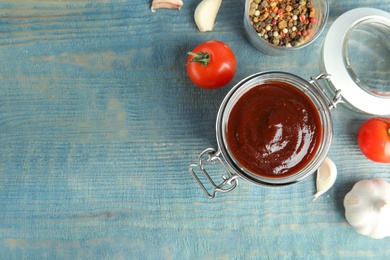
363, 76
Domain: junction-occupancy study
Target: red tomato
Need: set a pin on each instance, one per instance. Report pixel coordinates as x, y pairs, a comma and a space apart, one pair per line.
211, 65
374, 139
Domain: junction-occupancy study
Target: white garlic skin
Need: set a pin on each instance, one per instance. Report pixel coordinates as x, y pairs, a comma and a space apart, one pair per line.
367, 208
206, 13
167, 4
326, 177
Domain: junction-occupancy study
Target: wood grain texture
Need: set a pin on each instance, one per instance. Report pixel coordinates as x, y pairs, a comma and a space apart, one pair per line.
98, 126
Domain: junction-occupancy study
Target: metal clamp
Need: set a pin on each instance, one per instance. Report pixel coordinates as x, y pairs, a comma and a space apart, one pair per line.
332, 102
230, 180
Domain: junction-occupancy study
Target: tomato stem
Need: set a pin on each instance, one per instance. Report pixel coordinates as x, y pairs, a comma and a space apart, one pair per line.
201, 57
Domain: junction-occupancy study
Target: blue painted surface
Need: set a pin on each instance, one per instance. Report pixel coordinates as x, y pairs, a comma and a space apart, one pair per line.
99, 123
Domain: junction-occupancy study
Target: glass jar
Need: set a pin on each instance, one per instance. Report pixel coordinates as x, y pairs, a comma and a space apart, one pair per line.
321, 8
224, 156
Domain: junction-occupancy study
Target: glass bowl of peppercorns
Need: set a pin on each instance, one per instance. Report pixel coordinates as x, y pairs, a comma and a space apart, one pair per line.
277, 27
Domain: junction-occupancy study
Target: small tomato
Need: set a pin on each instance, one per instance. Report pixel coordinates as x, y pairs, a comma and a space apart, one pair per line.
211, 65
374, 139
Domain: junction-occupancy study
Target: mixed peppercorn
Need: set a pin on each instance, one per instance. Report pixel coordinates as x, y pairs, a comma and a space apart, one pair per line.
285, 23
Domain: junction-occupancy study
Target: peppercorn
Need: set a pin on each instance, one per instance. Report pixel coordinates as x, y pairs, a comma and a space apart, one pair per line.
292, 35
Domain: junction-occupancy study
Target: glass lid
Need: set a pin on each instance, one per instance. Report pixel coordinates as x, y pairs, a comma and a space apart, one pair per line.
356, 53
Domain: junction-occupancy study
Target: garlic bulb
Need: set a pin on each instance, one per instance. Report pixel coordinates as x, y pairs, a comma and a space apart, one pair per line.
367, 208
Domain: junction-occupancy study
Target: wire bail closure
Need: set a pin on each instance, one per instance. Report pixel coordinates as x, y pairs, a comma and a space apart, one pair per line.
332, 102
230, 180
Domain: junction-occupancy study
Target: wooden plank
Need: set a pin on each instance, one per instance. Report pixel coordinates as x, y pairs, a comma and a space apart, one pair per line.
99, 123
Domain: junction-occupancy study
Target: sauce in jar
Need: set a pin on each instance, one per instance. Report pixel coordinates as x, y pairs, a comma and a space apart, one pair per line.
274, 130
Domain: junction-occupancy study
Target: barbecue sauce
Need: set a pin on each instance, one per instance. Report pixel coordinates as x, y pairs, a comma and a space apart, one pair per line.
274, 130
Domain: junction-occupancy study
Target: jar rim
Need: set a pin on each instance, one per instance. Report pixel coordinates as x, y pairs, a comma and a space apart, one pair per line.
310, 91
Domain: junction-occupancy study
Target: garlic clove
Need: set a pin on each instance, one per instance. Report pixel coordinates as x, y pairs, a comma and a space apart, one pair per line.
326, 177
206, 13
167, 4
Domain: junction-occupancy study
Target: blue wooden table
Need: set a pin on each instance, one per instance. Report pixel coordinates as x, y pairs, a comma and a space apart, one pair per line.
99, 124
